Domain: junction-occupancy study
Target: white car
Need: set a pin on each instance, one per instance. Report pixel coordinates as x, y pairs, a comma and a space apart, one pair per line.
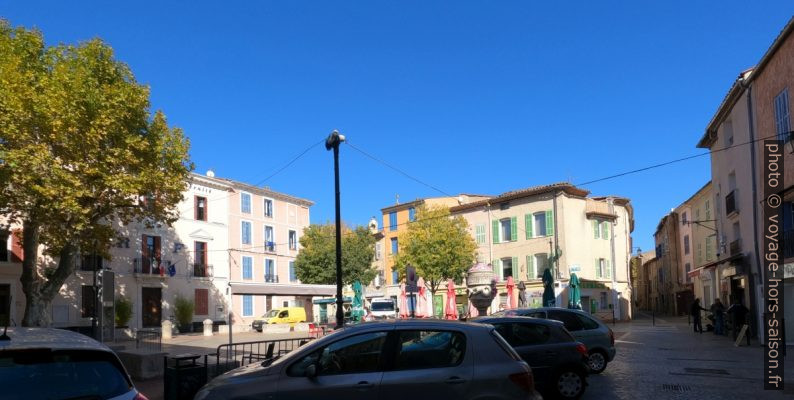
383, 308
56, 364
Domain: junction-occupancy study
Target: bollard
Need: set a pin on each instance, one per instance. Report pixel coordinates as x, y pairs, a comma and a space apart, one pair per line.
207, 327
653, 316
167, 326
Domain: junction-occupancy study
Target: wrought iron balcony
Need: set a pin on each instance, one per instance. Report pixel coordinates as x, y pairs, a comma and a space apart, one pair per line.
202, 270
149, 267
735, 247
730, 203
270, 247
271, 278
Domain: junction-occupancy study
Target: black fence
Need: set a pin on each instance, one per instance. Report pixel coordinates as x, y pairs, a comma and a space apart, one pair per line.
230, 356
149, 340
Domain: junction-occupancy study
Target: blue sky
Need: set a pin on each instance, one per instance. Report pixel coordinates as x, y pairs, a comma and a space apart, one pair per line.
473, 97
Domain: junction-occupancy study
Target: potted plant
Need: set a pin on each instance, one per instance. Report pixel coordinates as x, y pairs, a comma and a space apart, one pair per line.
183, 311
123, 316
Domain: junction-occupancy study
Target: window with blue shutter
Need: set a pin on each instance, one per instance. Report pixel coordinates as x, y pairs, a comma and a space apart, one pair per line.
292, 276
246, 232
245, 203
393, 221
394, 247
270, 271
412, 214
248, 267
248, 305
394, 277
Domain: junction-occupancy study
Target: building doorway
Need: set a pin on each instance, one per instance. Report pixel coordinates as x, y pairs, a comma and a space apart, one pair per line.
5, 305
151, 307
684, 299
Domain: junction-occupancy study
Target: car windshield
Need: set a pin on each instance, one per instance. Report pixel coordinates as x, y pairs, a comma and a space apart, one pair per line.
383, 306
271, 314
46, 374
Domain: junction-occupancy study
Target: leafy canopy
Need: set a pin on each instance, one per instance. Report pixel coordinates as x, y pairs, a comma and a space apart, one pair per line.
437, 245
316, 262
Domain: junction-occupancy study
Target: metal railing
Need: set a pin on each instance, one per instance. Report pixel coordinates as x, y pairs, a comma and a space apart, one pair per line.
272, 278
270, 247
735, 247
149, 340
202, 270
149, 266
232, 355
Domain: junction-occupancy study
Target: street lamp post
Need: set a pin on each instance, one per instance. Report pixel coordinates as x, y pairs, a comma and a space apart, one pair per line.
332, 142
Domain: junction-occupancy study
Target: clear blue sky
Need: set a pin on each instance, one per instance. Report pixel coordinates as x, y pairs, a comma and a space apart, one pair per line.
478, 97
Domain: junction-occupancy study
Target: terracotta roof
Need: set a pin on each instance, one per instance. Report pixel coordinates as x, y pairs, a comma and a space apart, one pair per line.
521, 193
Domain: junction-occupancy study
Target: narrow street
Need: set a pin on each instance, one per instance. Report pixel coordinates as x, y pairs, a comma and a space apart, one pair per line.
669, 361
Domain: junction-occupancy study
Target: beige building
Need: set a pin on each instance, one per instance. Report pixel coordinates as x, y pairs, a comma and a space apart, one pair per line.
704, 244
640, 281
520, 232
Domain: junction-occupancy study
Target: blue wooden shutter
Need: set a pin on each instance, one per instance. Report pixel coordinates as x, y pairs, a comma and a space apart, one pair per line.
549, 223
513, 229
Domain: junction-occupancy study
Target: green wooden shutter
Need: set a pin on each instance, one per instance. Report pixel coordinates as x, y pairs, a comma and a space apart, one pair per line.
513, 229
598, 268
608, 269
495, 231
516, 275
528, 225
549, 223
531, 267
605, 230
497, 265
595, 229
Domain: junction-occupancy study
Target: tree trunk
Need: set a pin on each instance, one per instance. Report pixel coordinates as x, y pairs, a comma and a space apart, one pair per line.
40, 291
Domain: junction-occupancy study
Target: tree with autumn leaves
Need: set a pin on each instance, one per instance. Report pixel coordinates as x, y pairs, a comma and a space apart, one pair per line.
79, 151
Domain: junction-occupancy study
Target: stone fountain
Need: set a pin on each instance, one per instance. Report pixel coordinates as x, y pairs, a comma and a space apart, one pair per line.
481, 287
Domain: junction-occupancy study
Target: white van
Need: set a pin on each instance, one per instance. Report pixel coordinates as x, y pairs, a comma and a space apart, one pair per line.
383, 307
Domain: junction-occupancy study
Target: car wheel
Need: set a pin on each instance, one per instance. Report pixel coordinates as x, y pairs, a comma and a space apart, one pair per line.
570, 385
597, 361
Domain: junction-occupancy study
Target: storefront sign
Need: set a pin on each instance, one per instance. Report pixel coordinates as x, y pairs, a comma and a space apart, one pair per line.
729, 271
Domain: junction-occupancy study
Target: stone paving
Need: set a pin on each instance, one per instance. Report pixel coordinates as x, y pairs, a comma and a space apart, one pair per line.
669, 361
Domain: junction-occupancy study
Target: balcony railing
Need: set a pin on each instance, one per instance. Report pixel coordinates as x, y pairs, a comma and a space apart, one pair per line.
149, 266
730, 203
271, 278
735, 247
202, 271
788, 243
270, 247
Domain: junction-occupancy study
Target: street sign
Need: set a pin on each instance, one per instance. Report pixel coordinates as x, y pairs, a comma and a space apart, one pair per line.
410, 279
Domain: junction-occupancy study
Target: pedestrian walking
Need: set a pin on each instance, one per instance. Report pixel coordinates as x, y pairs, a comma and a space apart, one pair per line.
718, 311
738, 313
694, 311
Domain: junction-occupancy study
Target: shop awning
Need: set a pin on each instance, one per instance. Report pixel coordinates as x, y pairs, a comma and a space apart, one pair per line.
283, 289
712, 264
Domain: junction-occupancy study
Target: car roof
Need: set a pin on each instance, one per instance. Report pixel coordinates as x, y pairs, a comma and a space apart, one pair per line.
415, 323
49, 338
549, 309
517, 318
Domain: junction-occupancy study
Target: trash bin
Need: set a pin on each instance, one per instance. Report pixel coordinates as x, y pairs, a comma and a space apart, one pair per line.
184, 376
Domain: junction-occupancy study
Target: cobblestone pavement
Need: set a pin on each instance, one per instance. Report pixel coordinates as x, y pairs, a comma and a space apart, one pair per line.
655, 362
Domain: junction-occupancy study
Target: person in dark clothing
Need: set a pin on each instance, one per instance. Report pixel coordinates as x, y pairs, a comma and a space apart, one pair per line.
738, 313
694, 311
718, 310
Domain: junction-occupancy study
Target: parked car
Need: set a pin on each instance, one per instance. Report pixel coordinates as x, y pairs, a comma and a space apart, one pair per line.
283, 315
43, 363
383, 307
599, 338
395, 359
558, 361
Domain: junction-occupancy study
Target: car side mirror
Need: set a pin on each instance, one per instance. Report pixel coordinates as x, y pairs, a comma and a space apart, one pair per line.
311, 371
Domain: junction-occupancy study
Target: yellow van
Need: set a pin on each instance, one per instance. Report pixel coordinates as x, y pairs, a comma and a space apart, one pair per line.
283, 315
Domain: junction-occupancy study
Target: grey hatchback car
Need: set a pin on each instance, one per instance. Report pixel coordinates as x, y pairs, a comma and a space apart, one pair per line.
387, 360
599, 338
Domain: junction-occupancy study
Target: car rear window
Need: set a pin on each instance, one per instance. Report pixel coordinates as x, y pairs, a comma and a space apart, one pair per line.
504, 345
46, 374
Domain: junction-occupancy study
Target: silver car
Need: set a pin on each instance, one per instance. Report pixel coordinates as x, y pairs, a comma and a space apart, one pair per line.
387, 360
599, 338
41, 363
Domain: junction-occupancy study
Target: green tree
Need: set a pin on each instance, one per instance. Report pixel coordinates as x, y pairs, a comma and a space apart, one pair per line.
437, 245
79, 148
316, 262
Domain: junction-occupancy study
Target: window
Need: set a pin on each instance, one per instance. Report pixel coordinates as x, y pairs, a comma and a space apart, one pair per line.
394, 247
727, 132
688, 267
394, 278
378, 251
686, 244
429, 349
700, 253
200, 259
605, 230
89, 262
292, 276
88, 297
507, 267
709, 253
541, 263
202, 302
540, 224
246, 232
270, 241
201, 208
248, 267
604, 301
600, 268
587, 322
352, 355
480, 233
245, 203
596, 229
268, 208
293, 240
782, 122
524, 334
412, 214
248, 305
506, 230
393, 221
571, 322
4, 245
708, 211
270, 271
150, 254
684, 217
